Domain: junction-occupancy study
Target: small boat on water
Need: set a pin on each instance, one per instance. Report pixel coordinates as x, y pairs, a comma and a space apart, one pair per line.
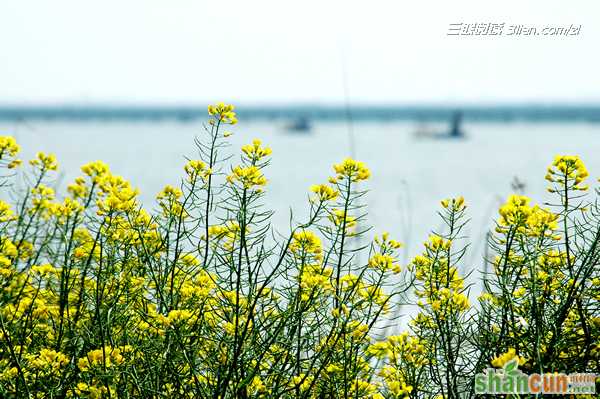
455, 130
299, 125
455, 127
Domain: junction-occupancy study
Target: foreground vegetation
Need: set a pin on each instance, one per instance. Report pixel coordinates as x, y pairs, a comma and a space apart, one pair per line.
201, 298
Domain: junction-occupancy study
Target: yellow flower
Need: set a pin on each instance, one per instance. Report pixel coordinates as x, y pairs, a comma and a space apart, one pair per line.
384, 242
455, 204
223, 113
337, 217
334, 368
6, 213
249, 176
359, 330
169, 193
230, 228
50, 360
314, 280
108, 357
533, 221
118, 195
324, 192
230, 231
195, 169
66, 209
168, 199
552, 259
255, 151
257, 385
399, 388
351, 169
380, 349
568, 168
93, 391
14, 163
486, 297
45, 161
361, 389
515, 211
384, 263
437, 243
178, 316
506, 357
460, 301
78, 189
541, 222
306, 242
8, 145
42, 196
95, 170
43, 270
302, 381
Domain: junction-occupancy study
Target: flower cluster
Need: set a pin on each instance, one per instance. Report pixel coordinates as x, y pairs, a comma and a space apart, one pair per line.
306, 242
8, 151
324, 193
255, 152
116, 195
456, 204
530, 220
506, 357
565, 169
352, 170
196, 169
385, 258
223, 113
250, 177
44, 161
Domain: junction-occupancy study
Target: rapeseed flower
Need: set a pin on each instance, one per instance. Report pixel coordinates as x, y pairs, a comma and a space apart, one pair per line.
255, 151
210, 307
197, 169
568, 168
456, 204
324, 192
306, 242
96, 170
386, 243
50, 360
506, 357
6, 213
223, 113
341, 219
384, 263
250, 177
8, 146
352, 170
14, 163
44, 161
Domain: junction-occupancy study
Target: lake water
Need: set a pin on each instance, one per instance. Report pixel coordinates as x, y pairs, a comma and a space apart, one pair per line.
409, 175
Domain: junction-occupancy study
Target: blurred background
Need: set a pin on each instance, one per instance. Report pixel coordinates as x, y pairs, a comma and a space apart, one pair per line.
438, 98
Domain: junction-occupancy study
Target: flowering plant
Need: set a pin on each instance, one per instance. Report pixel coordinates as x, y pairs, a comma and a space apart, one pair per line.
100, 298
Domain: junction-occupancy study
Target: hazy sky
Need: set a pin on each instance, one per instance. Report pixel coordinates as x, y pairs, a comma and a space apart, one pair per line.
184, 51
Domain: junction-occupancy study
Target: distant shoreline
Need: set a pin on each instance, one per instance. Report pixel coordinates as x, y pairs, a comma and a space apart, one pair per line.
501, 113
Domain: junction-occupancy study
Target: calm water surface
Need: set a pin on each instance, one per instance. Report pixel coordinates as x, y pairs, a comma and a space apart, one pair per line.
409, 175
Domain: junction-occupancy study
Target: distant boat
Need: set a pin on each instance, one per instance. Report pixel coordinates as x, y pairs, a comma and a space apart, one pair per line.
455, 127
299, 125
455, 130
